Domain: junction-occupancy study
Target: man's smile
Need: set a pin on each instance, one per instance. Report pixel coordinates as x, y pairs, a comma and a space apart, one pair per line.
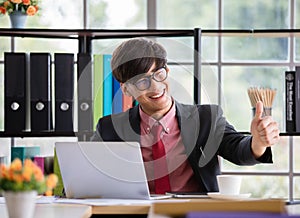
157, 96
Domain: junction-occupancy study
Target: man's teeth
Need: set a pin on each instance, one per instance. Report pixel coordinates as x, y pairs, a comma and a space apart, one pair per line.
158, 95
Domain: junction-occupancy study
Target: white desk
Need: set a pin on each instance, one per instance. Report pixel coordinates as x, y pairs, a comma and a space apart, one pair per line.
56, 210
84, 211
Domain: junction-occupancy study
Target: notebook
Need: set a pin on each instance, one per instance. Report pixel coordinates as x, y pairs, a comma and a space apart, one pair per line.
103, 170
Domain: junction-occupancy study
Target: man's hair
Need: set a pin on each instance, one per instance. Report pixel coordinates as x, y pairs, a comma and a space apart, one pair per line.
136, 56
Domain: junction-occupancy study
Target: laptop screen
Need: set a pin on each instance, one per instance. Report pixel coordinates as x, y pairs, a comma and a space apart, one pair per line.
102, 169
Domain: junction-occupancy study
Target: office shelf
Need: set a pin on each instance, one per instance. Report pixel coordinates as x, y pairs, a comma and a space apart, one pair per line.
85, 38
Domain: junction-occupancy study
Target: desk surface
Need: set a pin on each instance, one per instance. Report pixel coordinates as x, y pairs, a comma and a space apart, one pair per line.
56, 210
161, 205
85, 211
122, 209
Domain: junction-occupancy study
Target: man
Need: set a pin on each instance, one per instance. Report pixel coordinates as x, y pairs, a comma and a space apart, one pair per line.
191, 137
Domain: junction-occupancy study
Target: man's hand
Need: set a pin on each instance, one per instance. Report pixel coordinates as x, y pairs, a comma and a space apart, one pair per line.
264, 130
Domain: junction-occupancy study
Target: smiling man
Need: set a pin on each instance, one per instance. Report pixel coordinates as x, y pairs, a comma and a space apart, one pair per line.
180, 143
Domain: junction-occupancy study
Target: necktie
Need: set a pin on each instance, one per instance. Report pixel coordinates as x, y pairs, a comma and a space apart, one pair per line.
161, 176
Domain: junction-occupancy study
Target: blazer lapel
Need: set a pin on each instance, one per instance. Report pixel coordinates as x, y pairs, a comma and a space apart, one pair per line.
188, 121
127, 125
135, 122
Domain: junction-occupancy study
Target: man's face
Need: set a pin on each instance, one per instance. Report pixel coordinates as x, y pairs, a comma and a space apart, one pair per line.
154, 100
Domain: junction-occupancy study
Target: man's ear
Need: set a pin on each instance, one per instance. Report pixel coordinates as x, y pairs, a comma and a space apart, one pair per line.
167, 69
125, 89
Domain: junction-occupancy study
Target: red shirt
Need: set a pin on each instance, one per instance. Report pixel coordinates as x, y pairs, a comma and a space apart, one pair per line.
180, 172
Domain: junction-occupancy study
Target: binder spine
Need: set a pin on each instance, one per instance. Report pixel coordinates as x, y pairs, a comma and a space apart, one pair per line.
15, 75
40, 92
297, 99
64, 91
97, 88
85, 92
117, 102
107, 85
290, 101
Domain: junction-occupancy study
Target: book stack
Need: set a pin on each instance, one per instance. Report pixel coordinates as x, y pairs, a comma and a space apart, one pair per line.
24, 152
292, 100
108, 97
45, 163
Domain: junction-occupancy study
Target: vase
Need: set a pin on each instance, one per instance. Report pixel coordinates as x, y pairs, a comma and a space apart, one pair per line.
20, 204
17, 19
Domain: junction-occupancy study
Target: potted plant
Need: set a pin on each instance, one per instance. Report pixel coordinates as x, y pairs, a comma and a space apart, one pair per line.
18, 10
20, 183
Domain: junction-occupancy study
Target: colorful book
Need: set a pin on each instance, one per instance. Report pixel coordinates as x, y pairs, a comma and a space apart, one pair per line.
24, 152
98, 89
107, 85
117, 102
45, 163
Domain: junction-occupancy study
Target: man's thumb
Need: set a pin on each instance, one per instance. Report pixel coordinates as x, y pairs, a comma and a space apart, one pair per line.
259, 110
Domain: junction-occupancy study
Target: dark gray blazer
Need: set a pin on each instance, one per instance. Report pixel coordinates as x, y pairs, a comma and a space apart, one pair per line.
205, 134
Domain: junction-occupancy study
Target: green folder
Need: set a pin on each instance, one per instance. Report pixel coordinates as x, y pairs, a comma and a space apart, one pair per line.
59, 189
98, 88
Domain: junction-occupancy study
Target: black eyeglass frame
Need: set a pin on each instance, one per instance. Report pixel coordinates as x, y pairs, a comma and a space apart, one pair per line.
149, 78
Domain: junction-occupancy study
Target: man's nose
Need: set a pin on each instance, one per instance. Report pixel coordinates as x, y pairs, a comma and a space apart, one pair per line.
156, 85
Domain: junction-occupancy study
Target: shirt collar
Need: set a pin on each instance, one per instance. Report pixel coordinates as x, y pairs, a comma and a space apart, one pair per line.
148, 121
165, 121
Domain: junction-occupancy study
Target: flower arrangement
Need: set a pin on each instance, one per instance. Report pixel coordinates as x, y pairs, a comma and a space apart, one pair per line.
20, 177
29, 7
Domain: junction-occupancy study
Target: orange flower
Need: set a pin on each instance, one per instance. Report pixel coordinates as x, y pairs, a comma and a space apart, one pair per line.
16, 1
26, 2
27, 162
2, 10
38, 174
30, 7
51, 181
31, 10
27, 173
16, 165
17, 177
3, 171
6, 4
48, 193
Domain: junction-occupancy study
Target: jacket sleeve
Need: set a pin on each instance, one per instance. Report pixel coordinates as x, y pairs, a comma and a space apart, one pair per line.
236, 147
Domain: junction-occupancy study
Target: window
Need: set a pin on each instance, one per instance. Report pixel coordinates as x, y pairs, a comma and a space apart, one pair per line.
230, 64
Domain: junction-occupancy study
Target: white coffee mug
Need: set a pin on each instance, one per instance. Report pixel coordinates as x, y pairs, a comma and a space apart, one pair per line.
229, 185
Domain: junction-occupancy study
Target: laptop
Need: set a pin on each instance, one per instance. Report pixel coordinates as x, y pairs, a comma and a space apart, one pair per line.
103, 170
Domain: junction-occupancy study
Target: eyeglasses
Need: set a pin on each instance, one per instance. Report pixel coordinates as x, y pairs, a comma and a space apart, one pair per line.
145, 82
